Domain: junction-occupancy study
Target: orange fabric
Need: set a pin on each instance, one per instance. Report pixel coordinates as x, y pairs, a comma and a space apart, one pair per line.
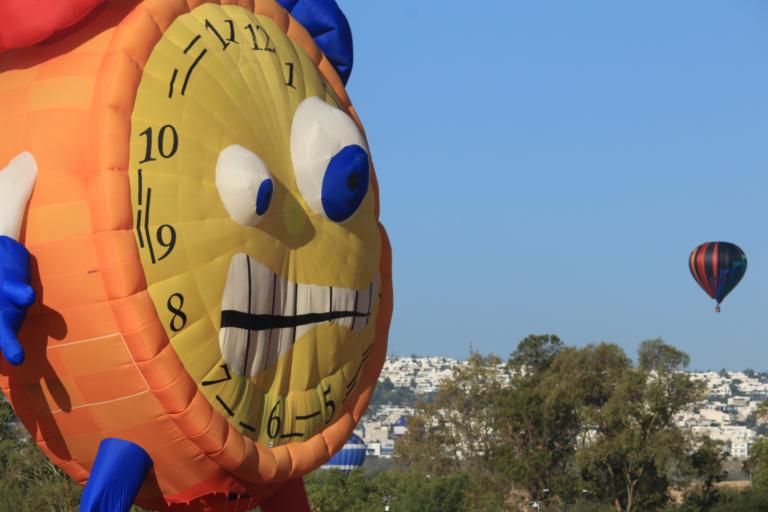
69, 103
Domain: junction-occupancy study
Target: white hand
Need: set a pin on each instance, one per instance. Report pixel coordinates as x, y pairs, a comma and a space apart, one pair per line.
16, 184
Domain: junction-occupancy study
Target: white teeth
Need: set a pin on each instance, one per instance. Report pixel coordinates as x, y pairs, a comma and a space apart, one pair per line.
253, 288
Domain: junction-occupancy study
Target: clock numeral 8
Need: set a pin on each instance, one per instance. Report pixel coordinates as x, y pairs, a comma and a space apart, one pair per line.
164, 141
179, 320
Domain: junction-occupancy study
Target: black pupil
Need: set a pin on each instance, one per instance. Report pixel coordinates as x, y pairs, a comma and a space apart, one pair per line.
352, 181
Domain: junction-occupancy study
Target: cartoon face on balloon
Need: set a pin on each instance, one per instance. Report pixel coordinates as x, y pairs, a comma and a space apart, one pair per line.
203, 226
257, 228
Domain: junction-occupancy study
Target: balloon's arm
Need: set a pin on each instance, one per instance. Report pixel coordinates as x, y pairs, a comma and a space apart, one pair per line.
290, 496
16, 294
116, 477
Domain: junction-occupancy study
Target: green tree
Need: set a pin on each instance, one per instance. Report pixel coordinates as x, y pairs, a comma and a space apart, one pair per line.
536, 423
635, 447
455, 430
706, 464
757, 464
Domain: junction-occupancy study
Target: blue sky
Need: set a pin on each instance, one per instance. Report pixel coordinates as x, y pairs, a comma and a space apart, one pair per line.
547, 167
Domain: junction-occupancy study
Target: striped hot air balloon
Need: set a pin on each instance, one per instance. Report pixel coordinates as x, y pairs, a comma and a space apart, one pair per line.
350, 457
718, 267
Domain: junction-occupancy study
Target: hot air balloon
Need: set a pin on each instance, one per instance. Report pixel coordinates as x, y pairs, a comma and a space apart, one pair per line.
350, 457
717, 267
195, 289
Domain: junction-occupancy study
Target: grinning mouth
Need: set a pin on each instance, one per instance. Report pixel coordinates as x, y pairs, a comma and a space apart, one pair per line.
263, 314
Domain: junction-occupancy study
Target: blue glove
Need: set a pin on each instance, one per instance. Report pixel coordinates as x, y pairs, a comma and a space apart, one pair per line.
16, 295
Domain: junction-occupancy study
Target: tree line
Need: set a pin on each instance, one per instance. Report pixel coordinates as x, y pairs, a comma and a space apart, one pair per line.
552, 428
555, 428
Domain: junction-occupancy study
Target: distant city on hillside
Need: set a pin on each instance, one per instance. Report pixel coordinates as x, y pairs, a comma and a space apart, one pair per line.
727, 414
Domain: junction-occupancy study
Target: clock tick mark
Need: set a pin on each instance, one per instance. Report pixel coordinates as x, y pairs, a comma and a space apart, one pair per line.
225, 406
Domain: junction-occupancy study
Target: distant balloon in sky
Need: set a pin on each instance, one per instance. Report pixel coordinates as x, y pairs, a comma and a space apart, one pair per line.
350, 457
718, 267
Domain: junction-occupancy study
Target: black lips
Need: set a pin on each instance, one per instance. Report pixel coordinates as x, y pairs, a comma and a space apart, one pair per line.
230, 318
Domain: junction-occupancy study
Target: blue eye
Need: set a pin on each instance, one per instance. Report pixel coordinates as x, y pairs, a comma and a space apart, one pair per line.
330, 159
345, 183
264, 196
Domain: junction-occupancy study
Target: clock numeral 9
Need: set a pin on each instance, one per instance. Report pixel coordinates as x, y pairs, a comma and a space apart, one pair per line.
167, 143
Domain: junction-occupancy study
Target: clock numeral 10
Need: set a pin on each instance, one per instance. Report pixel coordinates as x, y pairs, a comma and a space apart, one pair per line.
167, 143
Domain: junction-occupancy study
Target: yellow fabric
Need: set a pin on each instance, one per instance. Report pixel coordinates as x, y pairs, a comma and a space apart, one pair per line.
218, 109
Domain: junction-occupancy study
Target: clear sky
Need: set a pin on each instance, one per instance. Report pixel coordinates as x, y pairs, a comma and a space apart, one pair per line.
547, 167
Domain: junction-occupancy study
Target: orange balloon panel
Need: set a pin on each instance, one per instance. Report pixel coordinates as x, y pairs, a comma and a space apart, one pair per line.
237, 344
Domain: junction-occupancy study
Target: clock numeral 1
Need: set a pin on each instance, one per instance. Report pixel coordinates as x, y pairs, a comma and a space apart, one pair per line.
289, 80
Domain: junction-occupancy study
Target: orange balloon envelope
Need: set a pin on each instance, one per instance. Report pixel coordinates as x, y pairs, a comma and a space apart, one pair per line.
212, 281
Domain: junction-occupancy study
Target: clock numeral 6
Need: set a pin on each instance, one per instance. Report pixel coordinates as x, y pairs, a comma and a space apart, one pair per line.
274, 422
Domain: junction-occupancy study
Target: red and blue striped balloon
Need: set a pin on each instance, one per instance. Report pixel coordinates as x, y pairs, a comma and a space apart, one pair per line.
718, 267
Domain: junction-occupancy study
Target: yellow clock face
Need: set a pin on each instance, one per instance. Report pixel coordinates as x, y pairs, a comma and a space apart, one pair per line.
255, 222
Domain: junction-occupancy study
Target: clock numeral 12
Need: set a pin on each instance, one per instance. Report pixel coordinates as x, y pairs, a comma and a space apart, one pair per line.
254, 36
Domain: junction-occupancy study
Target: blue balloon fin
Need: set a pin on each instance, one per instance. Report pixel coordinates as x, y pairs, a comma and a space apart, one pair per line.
329, 28
116, 477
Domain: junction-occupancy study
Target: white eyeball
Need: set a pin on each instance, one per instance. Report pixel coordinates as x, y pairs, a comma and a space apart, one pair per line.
245, 185
330, 159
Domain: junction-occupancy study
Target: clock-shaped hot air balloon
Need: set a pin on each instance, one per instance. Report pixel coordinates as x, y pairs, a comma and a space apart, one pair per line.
717, 267
195, 289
